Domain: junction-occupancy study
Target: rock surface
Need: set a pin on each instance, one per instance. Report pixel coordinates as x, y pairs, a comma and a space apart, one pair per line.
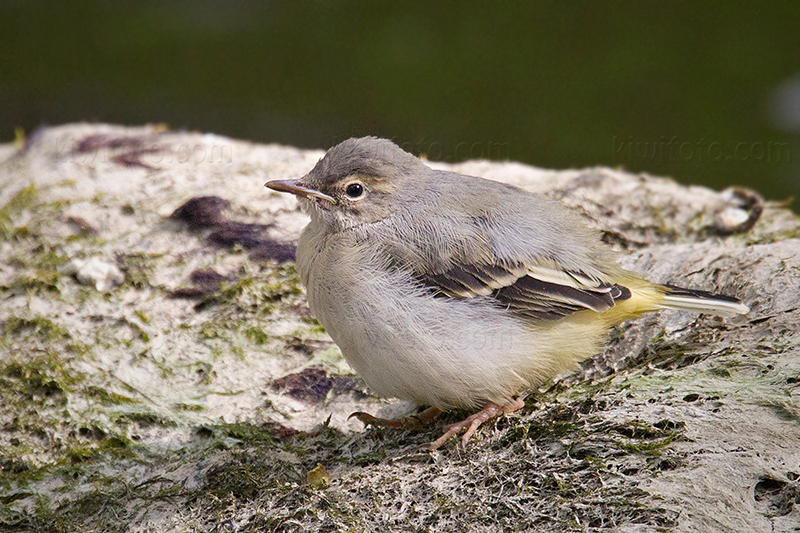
182, 385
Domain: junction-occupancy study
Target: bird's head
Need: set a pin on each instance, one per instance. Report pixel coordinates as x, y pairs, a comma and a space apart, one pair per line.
358, 181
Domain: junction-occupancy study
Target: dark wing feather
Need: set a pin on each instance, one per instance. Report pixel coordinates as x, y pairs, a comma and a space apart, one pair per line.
536, 292
467, 281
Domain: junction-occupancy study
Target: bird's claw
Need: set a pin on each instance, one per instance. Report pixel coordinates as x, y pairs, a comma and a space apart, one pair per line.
365, 418
369, 420
473, 422
405, 422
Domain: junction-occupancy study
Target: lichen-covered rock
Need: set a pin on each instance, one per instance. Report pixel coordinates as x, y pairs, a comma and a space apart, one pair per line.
182, 385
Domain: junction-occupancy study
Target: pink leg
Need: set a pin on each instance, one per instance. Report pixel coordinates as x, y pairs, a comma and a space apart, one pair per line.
473, 422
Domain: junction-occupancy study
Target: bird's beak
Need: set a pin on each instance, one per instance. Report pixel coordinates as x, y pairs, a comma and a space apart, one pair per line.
298, 188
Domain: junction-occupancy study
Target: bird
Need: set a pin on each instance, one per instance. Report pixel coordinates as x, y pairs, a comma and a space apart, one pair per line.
455, 291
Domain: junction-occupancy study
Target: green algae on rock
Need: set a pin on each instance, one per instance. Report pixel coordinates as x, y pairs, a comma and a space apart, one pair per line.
181, 400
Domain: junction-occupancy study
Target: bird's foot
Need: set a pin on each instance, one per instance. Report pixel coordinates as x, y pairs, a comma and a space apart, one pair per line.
473, 422
405, 422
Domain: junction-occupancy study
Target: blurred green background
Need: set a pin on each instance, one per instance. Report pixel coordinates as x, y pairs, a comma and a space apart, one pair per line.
705, 92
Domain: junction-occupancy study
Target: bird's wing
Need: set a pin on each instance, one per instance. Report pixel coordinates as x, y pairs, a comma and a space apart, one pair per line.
544, 292
529, 254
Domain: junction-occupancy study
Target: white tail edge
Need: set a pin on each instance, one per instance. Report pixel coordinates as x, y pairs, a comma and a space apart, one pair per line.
724, 307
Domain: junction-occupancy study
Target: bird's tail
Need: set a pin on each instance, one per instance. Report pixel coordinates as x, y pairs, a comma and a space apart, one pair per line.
701, 302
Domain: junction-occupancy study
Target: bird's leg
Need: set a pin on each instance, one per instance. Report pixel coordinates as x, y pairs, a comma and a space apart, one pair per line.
405, 422
473, 422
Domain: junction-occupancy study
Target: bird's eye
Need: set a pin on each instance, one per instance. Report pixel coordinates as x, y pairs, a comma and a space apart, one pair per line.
354, 190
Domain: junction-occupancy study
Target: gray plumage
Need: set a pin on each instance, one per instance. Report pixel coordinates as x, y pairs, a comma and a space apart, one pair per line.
452, 290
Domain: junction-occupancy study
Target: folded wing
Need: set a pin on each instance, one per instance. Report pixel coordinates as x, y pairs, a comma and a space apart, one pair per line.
543, 292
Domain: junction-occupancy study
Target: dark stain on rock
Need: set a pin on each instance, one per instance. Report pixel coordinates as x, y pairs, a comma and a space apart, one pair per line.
207, 277
310, 385
126, 150
247, 236
202, 212
81, 226
133, 158
189, 293
345, 384
206, 282
274, 251
207, 212
307, 346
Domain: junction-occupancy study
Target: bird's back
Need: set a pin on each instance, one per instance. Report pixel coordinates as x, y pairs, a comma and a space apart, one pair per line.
468, 219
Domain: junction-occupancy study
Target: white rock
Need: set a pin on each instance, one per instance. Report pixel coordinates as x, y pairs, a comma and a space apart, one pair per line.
103, 275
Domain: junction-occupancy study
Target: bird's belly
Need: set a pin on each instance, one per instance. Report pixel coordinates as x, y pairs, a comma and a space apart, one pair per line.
445, 352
